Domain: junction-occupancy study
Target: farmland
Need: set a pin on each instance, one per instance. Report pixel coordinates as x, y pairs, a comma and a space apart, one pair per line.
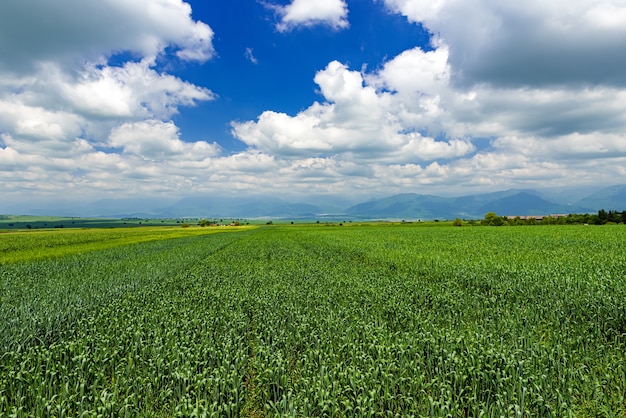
367, 320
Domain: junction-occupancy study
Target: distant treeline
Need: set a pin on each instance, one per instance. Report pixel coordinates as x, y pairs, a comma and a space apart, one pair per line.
603, 217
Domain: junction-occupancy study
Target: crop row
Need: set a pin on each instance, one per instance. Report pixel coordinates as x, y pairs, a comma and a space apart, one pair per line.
290, 321
39, 245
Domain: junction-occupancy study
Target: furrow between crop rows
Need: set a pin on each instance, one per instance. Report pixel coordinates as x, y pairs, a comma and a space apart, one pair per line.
323, 321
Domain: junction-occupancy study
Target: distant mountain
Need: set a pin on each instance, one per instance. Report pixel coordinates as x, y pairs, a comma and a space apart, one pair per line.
473, 206
123, 208
408, 205
415, 206
524, 203
102, 208
239, 207
401, 206
567, 195
610, 198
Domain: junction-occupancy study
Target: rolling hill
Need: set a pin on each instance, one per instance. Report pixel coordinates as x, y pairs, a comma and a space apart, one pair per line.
409, 206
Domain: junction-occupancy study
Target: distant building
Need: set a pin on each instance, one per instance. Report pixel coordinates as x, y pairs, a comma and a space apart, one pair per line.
539, 217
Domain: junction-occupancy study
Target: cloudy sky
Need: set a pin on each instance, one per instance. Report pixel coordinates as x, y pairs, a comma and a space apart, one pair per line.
309, 97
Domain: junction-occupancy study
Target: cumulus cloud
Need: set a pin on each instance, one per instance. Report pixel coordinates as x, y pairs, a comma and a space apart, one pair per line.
508, 95
356, 121
71, 120
305, 13
519, 80
58, 107
56, 80
575, 146
534, 43
72, 31
37, 123
159, 141
134, 87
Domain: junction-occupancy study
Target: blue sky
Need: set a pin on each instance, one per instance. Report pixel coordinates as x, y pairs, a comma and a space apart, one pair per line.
295, 98
258, 67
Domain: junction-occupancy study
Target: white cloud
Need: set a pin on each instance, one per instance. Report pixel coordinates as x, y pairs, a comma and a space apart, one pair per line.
36, 122
531, 130
135, 89
65, 112
55, 107
72, 31
534, 43
56, 81
249, 54
356, 121
415, 71
606, 15
574, 146
333, 13
156, 140
493, 105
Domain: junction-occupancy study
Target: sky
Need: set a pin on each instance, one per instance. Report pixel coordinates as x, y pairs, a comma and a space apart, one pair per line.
301, 98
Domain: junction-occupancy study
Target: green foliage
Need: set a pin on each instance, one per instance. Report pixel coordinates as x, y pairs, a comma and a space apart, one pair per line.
314, 321
457, 222
491, 219
601, 218
611, 217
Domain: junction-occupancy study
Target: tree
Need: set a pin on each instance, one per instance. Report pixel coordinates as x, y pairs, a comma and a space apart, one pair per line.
492, 219
457, 222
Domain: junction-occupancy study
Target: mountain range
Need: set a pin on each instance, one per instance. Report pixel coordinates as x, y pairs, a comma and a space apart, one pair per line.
409, 206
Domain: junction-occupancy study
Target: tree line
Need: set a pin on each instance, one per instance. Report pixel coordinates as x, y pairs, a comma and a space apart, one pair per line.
603, 217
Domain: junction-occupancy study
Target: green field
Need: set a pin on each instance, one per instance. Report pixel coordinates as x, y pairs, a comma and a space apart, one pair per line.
22, 222
288, 320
